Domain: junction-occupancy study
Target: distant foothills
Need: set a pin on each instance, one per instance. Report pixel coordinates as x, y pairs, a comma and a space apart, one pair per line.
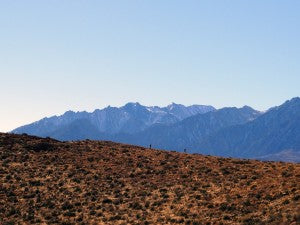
230, 132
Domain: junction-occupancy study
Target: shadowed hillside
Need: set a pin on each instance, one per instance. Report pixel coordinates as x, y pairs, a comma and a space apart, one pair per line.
273, 133
47, 181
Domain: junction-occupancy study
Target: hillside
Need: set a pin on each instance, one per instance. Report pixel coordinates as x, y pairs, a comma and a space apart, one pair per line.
273, 133
47, 181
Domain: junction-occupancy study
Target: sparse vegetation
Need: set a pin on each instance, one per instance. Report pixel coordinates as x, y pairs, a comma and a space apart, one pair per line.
52, 182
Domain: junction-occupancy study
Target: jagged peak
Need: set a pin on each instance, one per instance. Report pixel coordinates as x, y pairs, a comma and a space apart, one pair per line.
69, 112
249, 108
173, 105
133, 104
293, 100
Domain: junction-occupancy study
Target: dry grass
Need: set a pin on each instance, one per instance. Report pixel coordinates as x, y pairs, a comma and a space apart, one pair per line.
89, 182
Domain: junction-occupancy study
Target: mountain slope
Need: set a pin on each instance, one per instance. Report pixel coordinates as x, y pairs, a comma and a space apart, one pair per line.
130, 118
275, 131
188, 132
46, 126
79, 129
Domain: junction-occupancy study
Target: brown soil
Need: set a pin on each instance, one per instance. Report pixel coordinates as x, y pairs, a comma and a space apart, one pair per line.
96, 182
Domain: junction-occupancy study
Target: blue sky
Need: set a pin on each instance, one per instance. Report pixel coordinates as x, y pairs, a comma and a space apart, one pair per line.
82, 55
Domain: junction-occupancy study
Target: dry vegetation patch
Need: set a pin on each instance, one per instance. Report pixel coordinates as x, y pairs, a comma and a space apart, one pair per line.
86, 182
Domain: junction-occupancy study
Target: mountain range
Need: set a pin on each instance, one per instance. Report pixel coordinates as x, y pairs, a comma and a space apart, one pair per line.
231, 132
130, 118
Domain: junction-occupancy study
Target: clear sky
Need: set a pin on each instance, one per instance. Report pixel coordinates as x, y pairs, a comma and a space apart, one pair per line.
81, 55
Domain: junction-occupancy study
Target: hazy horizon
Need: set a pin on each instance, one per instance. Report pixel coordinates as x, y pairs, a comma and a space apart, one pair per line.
92, 110
83, 55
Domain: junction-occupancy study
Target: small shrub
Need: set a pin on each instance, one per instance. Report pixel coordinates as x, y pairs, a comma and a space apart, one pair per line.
107, 201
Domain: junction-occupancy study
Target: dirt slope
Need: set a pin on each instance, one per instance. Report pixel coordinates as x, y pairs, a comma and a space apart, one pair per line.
89, 182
